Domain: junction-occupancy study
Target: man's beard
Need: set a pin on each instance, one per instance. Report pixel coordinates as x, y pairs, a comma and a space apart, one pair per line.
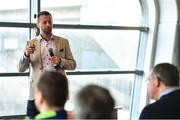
47, 32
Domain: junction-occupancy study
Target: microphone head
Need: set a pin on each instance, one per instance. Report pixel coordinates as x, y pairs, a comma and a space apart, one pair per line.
51, 52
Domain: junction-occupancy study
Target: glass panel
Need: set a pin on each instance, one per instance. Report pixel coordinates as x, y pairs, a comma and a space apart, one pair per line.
94, 12
14, 94
12, 43
14, 10
120, 87
102, 49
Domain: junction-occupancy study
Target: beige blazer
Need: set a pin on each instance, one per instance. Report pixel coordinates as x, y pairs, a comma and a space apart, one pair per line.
34, 62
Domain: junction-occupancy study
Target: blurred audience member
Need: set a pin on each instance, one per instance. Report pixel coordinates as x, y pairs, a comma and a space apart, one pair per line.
51, 95
94, 102
163, 86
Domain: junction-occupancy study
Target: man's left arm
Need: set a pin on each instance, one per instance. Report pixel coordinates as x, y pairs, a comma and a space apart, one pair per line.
68, 62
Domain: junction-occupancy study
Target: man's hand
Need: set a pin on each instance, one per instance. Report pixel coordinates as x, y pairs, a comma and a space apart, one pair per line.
29, 49
55, 60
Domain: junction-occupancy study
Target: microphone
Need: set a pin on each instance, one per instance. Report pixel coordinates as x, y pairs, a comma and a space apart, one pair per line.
51, 52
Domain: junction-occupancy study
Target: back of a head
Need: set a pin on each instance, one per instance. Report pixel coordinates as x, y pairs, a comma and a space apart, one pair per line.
167, 73
54, 88
94, 102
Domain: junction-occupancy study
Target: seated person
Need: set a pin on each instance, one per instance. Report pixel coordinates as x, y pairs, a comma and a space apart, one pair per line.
94, 102
51, 95
163, 86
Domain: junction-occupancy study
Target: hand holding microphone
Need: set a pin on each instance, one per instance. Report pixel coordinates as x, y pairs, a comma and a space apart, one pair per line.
54, 59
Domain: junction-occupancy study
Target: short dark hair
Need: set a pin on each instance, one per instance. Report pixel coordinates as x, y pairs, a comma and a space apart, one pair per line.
94, 102
167, 73
43, 13
54, 88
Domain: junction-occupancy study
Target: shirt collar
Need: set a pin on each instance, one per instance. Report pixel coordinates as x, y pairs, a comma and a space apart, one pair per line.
168, 91
47, 114
51, 38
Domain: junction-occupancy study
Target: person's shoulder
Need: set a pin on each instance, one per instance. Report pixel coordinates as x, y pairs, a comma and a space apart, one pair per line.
152, 106
60, 38
147, 111
149, 106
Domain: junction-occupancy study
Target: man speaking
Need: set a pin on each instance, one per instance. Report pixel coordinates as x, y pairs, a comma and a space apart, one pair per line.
45, 52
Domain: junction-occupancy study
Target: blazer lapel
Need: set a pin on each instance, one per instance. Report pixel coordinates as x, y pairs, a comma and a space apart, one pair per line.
56, 46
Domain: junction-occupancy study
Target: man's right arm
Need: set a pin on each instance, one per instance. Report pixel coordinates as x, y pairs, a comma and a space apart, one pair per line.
24, 62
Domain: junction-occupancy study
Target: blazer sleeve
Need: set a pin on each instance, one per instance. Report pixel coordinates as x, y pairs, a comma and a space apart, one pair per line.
24, 62
68, 62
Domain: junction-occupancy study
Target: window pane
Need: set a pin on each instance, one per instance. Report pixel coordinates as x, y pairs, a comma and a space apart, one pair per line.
14, 10
102, 49
14, 95
94, 12
12, 43
120, 87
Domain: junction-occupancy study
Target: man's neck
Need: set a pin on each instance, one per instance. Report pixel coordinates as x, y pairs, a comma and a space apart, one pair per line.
46, 108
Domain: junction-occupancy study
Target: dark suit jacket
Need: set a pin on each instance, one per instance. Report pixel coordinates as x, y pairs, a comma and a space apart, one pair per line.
167, 107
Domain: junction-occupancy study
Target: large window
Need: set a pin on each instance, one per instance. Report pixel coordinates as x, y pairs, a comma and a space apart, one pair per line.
14, 11
14, 95
120, 87
94, 12
103, 35
12, 42
102, 49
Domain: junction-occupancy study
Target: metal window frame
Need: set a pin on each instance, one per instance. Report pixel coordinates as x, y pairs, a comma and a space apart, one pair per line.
136, 72
72, 26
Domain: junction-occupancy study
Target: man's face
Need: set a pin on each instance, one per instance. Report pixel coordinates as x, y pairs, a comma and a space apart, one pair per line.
45, 24
152, 87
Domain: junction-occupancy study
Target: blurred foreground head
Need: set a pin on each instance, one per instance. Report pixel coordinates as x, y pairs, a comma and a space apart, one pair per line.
94, 102
52, 89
